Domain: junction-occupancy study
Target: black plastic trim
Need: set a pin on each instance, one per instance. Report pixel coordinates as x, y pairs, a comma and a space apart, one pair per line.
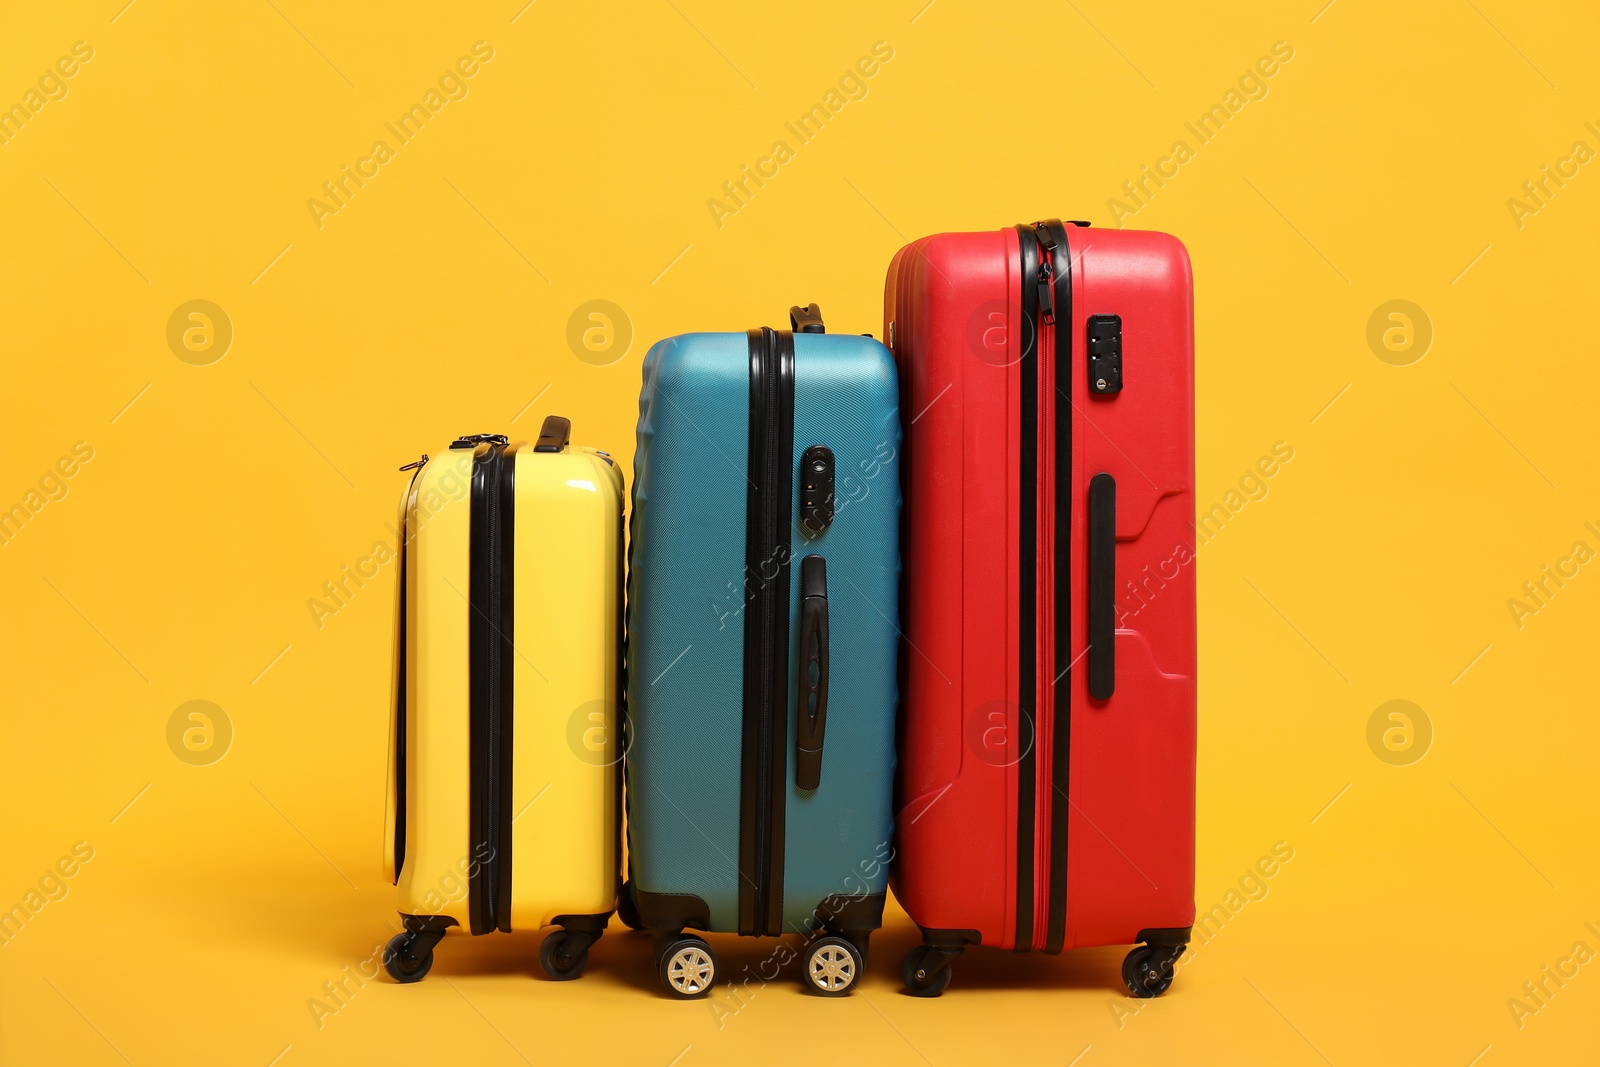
421, 924
850, 913
585, 923
950, 939
1061, 704
624, 734
768, 513
671, 912
1027, 583
490, 650
1165, 935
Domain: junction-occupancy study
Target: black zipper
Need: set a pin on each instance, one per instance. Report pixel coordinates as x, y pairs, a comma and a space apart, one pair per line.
1027, 584
765, 626
1053, 236
490, 639
491, 815
766, 638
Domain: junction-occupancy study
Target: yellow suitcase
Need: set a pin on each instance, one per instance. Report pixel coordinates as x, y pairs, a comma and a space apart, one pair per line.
504, 792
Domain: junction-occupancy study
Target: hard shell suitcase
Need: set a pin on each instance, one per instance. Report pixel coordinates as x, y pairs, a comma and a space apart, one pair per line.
763, 583
1047, 754
504, 784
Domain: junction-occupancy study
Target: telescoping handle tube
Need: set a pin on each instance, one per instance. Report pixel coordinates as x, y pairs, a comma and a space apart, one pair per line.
813, 672
1102, 585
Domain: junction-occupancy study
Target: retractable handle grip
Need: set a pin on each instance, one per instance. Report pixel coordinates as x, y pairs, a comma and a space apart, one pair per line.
813, 672
806, 319
554, 434
1102, 586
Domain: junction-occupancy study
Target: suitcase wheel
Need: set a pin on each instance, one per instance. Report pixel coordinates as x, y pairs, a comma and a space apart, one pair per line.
926, 971
832, 966
1147, 970
408, 956
687, 967
564, 954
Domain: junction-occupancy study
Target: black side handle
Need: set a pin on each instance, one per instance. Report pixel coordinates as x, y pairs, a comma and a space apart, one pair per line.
813, 672
554, 434
1102, 585
806, 319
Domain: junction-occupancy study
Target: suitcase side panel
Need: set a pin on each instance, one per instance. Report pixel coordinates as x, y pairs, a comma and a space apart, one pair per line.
687, 597
434, 879
837, 837
565, 738
1131, 832
958, 339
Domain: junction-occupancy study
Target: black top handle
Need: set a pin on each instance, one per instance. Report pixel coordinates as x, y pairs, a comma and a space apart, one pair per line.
554, 434
806, 319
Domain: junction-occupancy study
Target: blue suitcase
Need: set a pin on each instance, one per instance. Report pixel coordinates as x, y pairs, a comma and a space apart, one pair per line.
763, 589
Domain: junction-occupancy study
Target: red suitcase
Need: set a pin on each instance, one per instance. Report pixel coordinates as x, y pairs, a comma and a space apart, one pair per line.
1047, 752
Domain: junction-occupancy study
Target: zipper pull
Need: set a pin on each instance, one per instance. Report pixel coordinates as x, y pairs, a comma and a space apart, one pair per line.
473, 440
416, 464
1047, 273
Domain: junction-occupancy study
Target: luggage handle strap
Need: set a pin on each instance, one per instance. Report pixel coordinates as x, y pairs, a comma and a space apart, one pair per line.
813, 718
806, 319
1102, 585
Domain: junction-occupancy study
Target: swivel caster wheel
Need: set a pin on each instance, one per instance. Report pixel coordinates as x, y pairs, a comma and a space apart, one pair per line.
832, 966
687, 967
925, 971
1147, 970
564, 954
408, 957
